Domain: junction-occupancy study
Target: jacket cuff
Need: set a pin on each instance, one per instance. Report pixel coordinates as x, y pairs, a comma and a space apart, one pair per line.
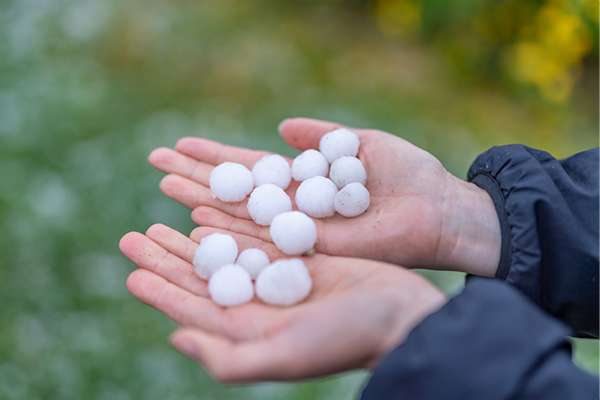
469, 349
548, 210
511, 175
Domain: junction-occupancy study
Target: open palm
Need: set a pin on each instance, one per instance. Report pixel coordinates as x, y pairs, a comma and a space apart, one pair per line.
356, 312
407, 185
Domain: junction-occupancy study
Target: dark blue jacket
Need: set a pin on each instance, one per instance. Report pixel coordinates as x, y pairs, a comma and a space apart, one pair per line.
507, 338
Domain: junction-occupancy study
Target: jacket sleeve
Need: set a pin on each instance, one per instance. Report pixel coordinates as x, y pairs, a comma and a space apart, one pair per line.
489, 342
548, 212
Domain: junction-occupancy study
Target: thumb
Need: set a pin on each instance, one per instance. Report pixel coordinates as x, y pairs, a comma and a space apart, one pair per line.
305, 133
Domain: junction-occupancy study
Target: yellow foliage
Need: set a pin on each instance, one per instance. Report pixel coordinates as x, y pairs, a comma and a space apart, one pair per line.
542, 44
549, 51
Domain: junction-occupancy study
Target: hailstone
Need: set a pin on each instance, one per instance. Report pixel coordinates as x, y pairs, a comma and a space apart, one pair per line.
231, 182
267, 201
214, 251
315, 197
253, 261
338, 143
293, 232
346, 170
272, 169
352, 200
230, 286
308, 164
283, 283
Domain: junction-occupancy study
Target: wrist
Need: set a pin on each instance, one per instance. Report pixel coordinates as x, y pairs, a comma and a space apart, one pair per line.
470, 238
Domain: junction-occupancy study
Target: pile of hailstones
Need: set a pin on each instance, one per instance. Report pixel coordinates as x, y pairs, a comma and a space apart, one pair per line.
286, 281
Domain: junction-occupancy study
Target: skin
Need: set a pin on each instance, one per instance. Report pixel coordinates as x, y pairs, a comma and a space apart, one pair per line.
420, 214
375, 306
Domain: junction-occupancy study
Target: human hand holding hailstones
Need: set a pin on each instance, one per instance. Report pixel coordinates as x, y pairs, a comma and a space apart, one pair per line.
417, 208
403, 223
271, 342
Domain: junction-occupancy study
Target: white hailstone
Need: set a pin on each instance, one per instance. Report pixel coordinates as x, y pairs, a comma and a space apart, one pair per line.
346, 170
267, 201
253, 261
293, 232
230, 286
352, 200
283, 283
214, 251
308, 164
315, 196
272, 169
339, 143
231, 182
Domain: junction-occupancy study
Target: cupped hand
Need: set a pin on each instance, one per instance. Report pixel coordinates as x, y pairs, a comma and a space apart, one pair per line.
357, 311
420, 215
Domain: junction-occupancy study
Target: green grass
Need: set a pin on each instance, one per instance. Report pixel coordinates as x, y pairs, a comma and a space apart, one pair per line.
88, 88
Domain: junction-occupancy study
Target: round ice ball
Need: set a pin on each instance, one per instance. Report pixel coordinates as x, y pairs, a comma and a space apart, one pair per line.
231, 182
315, 197
253, 261
272, 169
346, 170
267, 201
339, 143
214, 251
230, 286
308, 164
284, 283
352, 200
293, 232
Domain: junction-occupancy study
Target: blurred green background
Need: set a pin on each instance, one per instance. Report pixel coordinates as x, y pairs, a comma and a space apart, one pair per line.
89, 87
